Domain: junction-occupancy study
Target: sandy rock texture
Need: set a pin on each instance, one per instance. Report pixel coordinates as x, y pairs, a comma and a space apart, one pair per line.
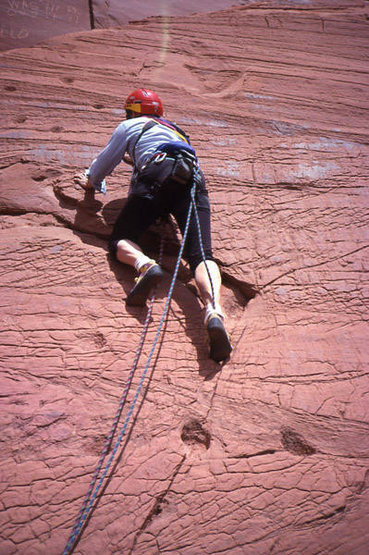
269, 453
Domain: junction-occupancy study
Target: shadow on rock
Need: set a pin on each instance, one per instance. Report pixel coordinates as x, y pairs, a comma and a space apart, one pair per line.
184, 295
94, 217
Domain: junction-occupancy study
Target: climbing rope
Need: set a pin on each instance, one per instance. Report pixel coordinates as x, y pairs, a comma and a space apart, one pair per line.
80, 520
96, 484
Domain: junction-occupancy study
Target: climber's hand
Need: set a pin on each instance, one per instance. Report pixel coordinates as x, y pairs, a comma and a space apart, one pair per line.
83, 181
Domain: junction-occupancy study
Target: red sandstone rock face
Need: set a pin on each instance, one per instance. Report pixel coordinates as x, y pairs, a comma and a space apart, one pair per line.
27, 22
270, 453
115, 13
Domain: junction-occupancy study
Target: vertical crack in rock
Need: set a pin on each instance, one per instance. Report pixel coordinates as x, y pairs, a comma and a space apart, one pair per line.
296, 444
159, 504
91, 10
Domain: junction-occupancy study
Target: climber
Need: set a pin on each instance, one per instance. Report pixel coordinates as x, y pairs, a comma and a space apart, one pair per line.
164, 165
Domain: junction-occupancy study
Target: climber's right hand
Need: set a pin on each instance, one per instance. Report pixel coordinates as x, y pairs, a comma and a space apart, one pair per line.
83, 181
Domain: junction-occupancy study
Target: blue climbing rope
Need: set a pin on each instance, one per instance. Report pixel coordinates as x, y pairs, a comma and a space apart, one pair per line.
94, 487
122, 401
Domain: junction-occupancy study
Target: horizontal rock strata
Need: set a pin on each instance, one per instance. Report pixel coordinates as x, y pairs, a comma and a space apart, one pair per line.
268, 454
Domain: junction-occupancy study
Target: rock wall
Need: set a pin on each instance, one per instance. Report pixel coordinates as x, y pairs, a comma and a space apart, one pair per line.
27, 22
115, 13
269, 453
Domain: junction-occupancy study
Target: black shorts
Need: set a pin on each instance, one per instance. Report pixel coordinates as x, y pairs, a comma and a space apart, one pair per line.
141, 211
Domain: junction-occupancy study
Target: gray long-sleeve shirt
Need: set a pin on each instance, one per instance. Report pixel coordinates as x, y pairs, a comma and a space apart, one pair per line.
123, 140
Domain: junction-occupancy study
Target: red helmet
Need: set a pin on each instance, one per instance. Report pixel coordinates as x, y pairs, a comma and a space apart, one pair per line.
144, 102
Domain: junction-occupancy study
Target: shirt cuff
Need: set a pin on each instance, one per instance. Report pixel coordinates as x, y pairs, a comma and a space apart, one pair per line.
100, 187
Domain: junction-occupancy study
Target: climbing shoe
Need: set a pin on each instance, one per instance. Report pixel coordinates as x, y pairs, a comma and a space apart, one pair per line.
220, 344
150, 275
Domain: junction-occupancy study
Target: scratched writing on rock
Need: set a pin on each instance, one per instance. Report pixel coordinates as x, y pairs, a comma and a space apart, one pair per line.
49, 9
14, 34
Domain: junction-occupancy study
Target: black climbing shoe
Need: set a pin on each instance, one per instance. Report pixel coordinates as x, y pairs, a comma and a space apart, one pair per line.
220, 344
150, 275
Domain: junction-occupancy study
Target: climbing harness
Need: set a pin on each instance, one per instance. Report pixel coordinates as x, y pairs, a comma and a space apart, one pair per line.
96, 482
152, 122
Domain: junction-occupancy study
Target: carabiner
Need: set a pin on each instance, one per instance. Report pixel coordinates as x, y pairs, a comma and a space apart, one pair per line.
160, 157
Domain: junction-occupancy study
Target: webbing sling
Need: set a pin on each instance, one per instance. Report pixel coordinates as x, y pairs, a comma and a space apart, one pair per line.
145, 128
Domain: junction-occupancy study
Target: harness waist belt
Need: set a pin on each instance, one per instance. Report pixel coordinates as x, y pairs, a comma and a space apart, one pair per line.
161, 155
